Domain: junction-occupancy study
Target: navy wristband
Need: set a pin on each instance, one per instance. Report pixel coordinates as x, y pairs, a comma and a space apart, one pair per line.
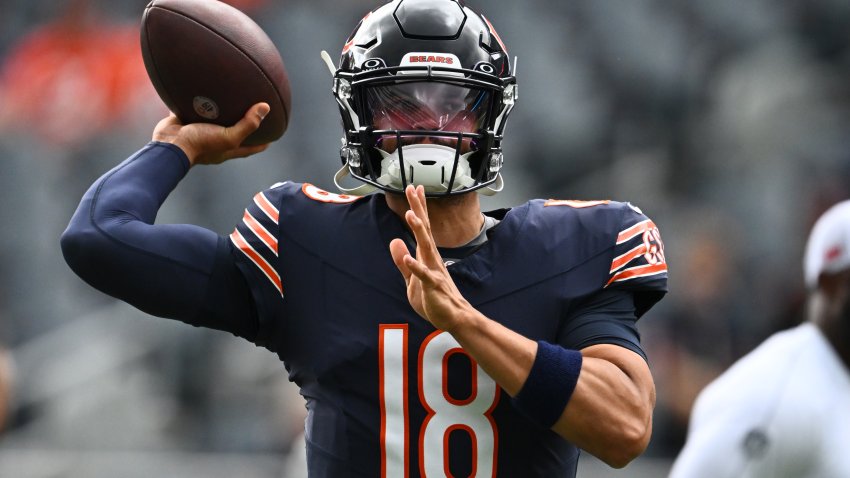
550, 384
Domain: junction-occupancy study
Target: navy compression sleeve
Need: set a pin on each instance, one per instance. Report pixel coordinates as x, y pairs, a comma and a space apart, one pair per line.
176, 271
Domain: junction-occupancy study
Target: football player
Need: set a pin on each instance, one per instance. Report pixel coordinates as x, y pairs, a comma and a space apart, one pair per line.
428, 338
783, 410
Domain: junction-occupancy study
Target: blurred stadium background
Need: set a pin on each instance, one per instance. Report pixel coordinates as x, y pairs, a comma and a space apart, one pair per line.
727, 122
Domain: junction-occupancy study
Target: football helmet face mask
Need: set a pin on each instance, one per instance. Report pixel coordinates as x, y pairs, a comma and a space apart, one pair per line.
424, 88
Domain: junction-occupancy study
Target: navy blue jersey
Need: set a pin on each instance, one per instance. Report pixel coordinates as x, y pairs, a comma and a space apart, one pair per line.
376, 376
308, 275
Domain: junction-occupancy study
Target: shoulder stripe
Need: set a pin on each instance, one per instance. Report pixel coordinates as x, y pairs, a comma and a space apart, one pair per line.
267, 207
624, 259
261, 232
258, 260
639, 271
633, 231
574, 203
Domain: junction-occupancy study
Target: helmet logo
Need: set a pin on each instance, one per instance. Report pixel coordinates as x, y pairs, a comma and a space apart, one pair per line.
486, 68
432, 59
373, 63
446, 60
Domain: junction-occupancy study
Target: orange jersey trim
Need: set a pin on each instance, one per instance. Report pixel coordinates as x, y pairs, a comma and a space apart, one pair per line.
258, 260
261, 232
640, 271
267, 207
624, 259
633, 231
382, 395
318, 194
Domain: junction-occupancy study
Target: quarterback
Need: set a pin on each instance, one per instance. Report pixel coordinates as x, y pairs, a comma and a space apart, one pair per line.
428, 338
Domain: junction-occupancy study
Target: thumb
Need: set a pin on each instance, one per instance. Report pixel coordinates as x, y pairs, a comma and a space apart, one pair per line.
261, 110
249, 123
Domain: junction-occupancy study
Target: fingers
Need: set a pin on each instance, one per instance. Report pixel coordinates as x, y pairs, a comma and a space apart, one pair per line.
416, 200
417, 220
398, 250
408, 266
419, 270
426, 250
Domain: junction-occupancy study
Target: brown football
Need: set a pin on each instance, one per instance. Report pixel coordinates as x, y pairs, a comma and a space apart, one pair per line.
209, 62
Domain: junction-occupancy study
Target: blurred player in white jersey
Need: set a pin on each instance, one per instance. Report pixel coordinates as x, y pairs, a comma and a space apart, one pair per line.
784, 409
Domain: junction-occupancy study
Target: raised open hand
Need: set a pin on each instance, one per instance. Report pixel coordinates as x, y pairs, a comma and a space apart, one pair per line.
430, 289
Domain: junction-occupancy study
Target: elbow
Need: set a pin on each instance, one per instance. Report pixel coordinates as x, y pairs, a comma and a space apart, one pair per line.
620, 426
631, 442
79, 245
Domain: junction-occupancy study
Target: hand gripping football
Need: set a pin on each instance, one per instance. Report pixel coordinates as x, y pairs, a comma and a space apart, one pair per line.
209, 62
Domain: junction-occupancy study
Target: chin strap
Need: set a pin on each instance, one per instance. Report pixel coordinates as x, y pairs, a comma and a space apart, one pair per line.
361, 190
330, 63
494, 188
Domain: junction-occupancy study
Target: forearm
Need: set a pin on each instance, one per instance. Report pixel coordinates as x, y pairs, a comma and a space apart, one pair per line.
609, 412
505, 355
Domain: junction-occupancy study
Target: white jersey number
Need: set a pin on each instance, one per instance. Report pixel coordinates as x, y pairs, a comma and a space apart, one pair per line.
446, 414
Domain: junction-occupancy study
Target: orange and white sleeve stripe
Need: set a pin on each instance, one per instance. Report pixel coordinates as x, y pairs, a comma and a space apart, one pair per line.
256, 238
639, 252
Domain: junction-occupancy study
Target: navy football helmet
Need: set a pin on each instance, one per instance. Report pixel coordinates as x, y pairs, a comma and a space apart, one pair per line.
424, 88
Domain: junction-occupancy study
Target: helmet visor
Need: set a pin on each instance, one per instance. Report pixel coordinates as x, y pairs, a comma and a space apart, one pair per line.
427, 112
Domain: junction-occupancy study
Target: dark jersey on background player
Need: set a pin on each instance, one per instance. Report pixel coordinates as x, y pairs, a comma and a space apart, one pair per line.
409, 366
